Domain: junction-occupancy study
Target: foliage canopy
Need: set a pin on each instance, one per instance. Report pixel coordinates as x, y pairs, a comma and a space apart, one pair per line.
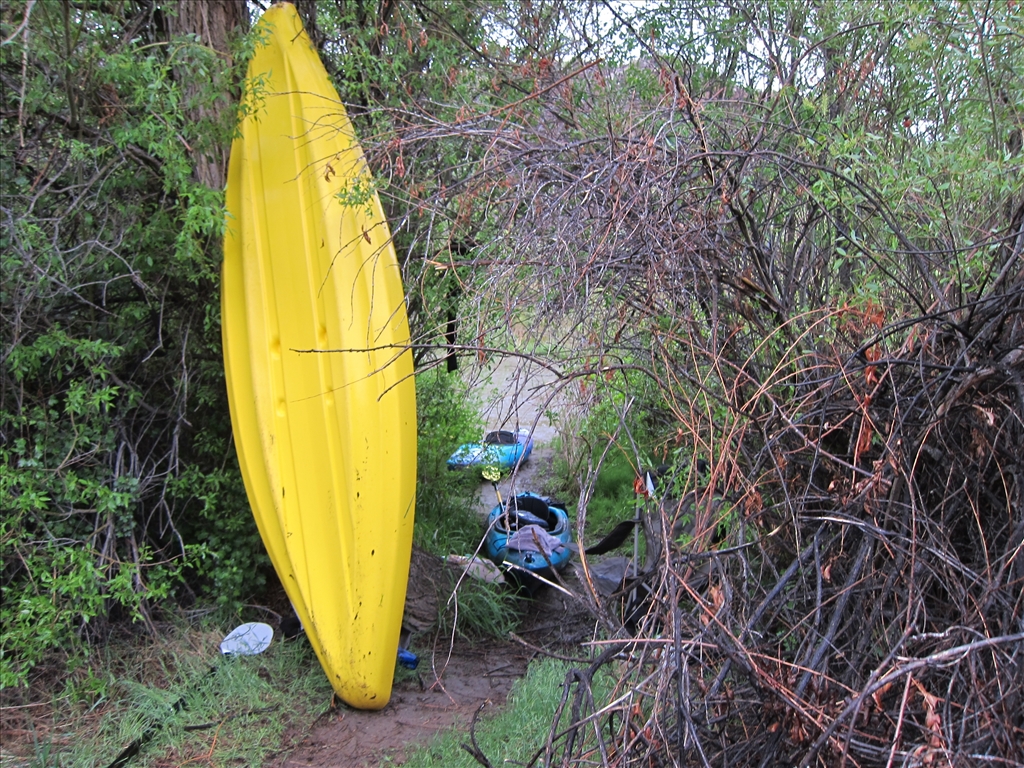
784, 236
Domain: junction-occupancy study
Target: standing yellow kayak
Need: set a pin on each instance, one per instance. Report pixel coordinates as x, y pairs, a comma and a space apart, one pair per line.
319, 373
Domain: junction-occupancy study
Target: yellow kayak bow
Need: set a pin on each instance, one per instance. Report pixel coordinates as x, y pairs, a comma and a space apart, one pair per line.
319, 374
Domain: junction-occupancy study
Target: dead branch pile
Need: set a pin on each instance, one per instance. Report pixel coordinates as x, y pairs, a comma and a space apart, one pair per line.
867, 609
848, 586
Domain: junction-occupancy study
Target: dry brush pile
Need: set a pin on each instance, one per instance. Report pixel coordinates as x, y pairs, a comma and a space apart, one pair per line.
850, 587
866, 605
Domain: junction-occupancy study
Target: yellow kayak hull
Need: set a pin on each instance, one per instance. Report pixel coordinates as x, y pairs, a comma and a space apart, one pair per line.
319, 372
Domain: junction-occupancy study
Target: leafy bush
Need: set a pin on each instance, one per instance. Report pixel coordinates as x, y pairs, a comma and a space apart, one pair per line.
445, 519
116, 466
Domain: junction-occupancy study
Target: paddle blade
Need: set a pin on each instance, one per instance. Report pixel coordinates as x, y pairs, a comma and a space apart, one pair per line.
612, 540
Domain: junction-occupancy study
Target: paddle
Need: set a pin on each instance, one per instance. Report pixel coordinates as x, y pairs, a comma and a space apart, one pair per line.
494, 475
248, 639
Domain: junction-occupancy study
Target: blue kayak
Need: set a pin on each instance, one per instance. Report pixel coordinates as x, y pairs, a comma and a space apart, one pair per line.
501, 449
529, 533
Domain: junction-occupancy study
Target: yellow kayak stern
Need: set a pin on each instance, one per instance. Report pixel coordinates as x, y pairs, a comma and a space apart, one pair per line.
319, 373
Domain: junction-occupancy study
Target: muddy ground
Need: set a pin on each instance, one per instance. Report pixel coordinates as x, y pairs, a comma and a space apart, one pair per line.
455, 677
452, 682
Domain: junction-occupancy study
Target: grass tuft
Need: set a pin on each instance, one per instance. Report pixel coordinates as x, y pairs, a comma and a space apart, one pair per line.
480, 610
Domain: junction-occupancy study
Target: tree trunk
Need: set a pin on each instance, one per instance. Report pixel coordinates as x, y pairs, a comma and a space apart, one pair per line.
212, 21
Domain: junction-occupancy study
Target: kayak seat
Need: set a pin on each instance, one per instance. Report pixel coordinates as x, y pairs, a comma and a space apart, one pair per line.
529, 510
501, 437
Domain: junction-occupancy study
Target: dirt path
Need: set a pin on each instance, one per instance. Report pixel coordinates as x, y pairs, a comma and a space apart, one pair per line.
456, 678
445, 693
451, 684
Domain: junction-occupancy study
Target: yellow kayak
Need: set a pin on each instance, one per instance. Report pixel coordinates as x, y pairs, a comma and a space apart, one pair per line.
319, 374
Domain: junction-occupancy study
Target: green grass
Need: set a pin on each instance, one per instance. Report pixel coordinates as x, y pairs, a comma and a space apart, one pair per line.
613, 499
447, 417
235, 710
480, 610
509, 737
